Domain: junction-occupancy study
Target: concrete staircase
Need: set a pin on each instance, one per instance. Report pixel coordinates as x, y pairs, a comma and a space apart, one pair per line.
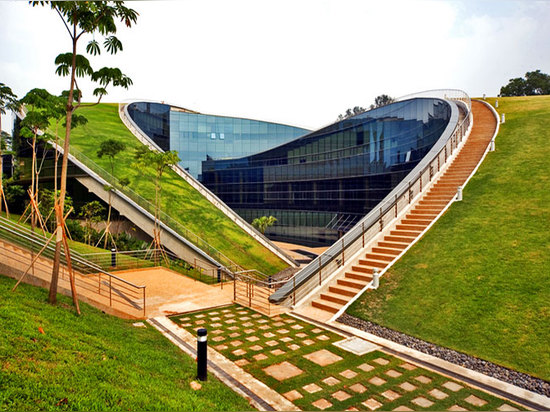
423, 213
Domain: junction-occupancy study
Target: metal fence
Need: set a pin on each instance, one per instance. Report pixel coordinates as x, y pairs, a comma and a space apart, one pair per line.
19, 247
321, 268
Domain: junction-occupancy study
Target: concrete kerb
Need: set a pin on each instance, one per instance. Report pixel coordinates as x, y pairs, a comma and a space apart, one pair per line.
257, 393
483, 381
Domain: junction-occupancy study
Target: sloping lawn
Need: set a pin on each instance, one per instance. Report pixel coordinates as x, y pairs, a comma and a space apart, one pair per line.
93, 361
479, 281
179, 200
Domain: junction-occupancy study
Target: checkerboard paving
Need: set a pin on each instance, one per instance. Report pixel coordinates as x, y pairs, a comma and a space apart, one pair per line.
299, 361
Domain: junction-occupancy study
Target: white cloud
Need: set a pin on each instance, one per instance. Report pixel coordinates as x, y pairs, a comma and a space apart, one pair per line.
295, 62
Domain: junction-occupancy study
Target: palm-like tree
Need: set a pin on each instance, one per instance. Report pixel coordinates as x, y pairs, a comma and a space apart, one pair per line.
8, 101
262, 223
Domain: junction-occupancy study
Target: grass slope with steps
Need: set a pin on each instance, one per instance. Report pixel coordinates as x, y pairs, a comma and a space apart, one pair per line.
479, 281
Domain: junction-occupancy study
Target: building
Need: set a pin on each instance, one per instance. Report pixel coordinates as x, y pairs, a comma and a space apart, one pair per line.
318, 185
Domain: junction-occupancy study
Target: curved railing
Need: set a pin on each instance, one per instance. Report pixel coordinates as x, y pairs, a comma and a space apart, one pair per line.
317, 272
199, 187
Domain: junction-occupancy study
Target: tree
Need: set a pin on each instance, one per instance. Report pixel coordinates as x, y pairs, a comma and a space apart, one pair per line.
80, 18
351, 112
110, 148
92, 213
35, 122
8, 101
157, 162
383, 100
262, 223
515, 87
535, 83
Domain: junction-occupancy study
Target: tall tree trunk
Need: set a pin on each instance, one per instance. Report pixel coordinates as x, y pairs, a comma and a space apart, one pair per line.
60, 222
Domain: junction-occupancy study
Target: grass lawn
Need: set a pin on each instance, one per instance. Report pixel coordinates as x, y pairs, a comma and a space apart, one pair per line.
93, 361
479, 281
179, 200
256, 343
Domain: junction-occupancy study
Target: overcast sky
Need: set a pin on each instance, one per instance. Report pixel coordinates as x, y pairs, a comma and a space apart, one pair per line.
300, 62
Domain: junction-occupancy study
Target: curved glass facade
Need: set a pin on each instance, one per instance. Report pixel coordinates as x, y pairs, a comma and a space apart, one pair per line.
197, 137
319, 185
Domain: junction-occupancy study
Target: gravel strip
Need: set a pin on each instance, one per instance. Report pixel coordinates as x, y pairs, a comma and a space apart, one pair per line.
519, 379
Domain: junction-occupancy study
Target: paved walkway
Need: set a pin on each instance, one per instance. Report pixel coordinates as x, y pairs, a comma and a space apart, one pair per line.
316, 369
169, 292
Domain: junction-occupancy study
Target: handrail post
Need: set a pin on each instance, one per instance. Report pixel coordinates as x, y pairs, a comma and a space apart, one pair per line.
362, 235
293, 290
395, 212
110, 291
320, 271
144, 312
235, 287
343, 255
380, 221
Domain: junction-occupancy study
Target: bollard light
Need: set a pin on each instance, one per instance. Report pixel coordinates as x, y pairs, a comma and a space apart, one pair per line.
202, 345
459, 194
113, 257
503, 119
375, 278
492, 145
496, 103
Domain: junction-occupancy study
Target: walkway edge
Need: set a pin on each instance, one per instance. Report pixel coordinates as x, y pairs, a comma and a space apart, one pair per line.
257, 393
518, 393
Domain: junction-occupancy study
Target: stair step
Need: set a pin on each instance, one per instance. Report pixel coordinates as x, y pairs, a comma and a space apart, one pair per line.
374, 263
362, 269
409, 233
425, 212
401, 239
424, 223
381, 257
394, 245
386, 251
417, 227
358, 276
357, 284
329, 307
334, 298
342, 290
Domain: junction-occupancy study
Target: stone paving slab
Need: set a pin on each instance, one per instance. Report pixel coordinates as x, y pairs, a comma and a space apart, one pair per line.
268, 395
331, 378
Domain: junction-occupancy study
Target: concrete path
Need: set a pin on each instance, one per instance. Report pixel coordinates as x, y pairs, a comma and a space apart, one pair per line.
169, 292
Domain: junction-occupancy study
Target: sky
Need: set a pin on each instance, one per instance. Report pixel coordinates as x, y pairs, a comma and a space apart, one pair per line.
294, 62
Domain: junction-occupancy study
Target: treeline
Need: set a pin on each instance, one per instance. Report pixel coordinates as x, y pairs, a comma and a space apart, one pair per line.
534, 83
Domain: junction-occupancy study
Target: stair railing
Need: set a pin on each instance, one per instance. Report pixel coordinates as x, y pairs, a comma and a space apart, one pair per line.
316, 273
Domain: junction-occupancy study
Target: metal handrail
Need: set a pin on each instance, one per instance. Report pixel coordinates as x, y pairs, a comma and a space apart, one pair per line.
387, 210
26, 239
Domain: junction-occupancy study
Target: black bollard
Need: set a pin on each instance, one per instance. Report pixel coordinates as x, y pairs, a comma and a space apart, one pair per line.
202, 344
219, 275
113, 257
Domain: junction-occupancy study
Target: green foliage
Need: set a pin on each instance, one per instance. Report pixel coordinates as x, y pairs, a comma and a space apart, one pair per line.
93, 362
379, 101
15, 195
8, 100
479, 280
264, 222
534, 83
179, 199
92, 212
46, 206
